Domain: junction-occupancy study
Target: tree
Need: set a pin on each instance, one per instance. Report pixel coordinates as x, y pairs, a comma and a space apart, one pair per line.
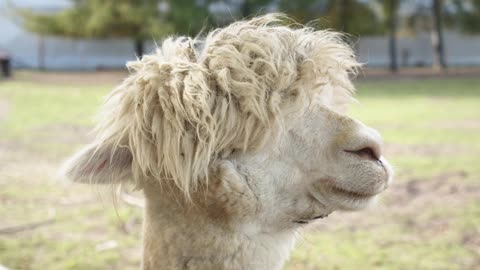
349, 16
303, 11
432, 18
390, 9
252, 7
226, 11
188, 17
469, 18
138, 20
437, 36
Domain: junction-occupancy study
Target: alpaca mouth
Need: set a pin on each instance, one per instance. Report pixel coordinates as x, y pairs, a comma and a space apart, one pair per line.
306, 221
351, 194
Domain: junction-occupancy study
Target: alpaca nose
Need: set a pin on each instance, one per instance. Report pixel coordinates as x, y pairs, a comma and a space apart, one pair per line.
365, 153
366, 145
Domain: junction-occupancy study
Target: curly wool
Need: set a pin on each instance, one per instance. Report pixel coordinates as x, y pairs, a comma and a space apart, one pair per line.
196, 100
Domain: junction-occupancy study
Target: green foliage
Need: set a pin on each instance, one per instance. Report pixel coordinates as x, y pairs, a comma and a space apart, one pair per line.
354, 17
101, 19
188, 17
238, 10
254, 7
138, 20
304, 11
348, 16
390, 9
469, 15
423, 17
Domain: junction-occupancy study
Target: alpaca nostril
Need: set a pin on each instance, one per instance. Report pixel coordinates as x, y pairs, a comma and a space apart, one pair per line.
365, 153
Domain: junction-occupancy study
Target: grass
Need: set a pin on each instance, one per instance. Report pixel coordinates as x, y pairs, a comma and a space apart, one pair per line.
39, 106
430, 220
395, 245
425, 111
440, 116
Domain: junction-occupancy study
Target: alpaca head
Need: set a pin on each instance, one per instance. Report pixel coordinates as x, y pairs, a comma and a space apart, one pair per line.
247, 124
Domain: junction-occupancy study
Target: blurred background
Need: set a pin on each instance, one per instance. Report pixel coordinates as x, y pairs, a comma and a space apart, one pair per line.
420, 87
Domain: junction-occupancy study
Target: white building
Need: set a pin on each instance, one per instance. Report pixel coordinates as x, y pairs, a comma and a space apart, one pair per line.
29, 50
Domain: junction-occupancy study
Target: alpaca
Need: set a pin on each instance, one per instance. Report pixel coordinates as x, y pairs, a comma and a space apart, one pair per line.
237, 140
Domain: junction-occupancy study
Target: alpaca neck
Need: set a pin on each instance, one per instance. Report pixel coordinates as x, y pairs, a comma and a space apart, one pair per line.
180, 237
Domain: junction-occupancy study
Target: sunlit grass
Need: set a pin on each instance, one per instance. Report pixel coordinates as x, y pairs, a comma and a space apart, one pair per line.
35, 108
434, 114
412, 115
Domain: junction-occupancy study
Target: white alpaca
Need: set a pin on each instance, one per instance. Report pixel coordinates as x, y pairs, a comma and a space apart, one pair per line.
237, 141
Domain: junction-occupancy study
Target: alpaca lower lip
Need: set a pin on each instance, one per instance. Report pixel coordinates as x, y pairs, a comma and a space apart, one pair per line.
313, 218
321, 216
301, 221
348, 193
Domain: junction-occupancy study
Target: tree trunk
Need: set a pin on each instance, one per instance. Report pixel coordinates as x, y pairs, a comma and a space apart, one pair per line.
392, 26
245, 9
437, 37
41, 53
139, 48
344, 14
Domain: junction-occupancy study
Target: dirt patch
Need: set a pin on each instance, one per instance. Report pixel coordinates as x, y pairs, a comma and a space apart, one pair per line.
63, 134
425, 150
461, 124
18, 159
36, 157
443, 188
414, 204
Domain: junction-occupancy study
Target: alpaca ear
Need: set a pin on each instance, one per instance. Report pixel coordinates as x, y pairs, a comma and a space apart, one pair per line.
99, 164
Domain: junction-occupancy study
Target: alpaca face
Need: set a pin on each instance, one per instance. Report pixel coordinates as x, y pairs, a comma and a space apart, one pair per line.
246, 127
325, 162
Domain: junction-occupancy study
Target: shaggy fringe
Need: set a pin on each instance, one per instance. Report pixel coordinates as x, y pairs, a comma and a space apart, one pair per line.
197, 100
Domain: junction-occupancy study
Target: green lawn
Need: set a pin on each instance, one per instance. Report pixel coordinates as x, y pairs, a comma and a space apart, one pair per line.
429, 219
440, 119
